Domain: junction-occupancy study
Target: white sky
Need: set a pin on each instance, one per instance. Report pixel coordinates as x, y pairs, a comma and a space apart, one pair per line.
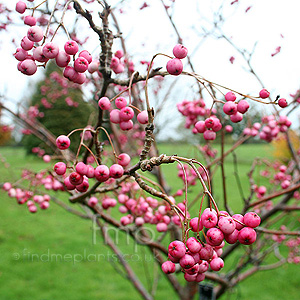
264, 23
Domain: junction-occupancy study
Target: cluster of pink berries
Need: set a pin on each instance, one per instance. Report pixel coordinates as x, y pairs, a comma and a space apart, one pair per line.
79, 178
118, 66
270, 129
294, 254
209, 127
175, 65
190, 175
195, 257
123, 114
25, 196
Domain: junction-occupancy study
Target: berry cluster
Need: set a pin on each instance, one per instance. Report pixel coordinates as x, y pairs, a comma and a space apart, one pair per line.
174, 65
195, 257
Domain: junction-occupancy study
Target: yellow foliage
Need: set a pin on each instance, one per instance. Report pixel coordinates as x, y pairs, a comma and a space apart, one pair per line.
281, 148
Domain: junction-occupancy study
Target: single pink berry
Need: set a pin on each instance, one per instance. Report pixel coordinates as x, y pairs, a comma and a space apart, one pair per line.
126, 125
168, 267
161, 227
50, 50
93, 67
187, 261
44, 205
193, 245
62, 59
217, 125
142, 117
124, 159
180, 51
86, 55
28, 67
68, 184
30, 20
237, 117
228, 128
70, 73
38, 54
121, 102
230, 108
35, 34
75, 178
252, 219
285, 184
102, 173
209, 123
209, 218
81, 64
126, 113
206, 252
200, 277
63, 142
243, 106
230, 96
116, 171
104, 103
139, 221
83, 187
7, 186
60, 168
114, 62
194, 224
26, 44
32, 208
247, 236
80, 78
81, 168
119, 53
90, 173
232, 237
177, 249
20, 54
114, 116
240, 218
119, 69
281, 102
209, 135
214, 236
71, 47
227, 225
193, 270
92, 201
264, 94
21, 7
216, 264
174, 66
190, 278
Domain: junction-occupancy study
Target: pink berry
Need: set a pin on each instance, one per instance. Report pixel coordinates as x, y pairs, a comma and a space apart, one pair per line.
124, 159
161, 227
247, 236
71, 47
80, 78
26, 44
126, 113
194, 224
38, 54
7, 186
227, 225
81, 64
142, 117
81, 168
200, 277
214, 236
20, 54
21, 7
126, 125
28, 67
90, 173
119, 69
93, 67
228, 128
116, 171
92, 201
230, 108
177, 249
239, 218
115, 116
30, 20
209, 123
63, 142
193, 245
168, 267
180, 51
187, 261
193, 270
35, 34
206, 252
230, 96
50, 50
86, 55
102, 173
70, 73
282, 102
243, 106
119, 53
190, 278
75, 178
104, 103
251, 219
68, 184
209, 219
264, 94
62, 59
114, 62
237, 117
232, 237
32, 208
216, 264
121, 102
139, 221
174, 66
209, 135
60, 168
44, 205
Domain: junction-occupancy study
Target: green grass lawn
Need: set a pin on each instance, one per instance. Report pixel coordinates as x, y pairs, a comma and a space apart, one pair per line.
52, 254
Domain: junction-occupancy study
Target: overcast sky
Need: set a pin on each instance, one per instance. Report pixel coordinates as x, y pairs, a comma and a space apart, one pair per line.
270, 23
